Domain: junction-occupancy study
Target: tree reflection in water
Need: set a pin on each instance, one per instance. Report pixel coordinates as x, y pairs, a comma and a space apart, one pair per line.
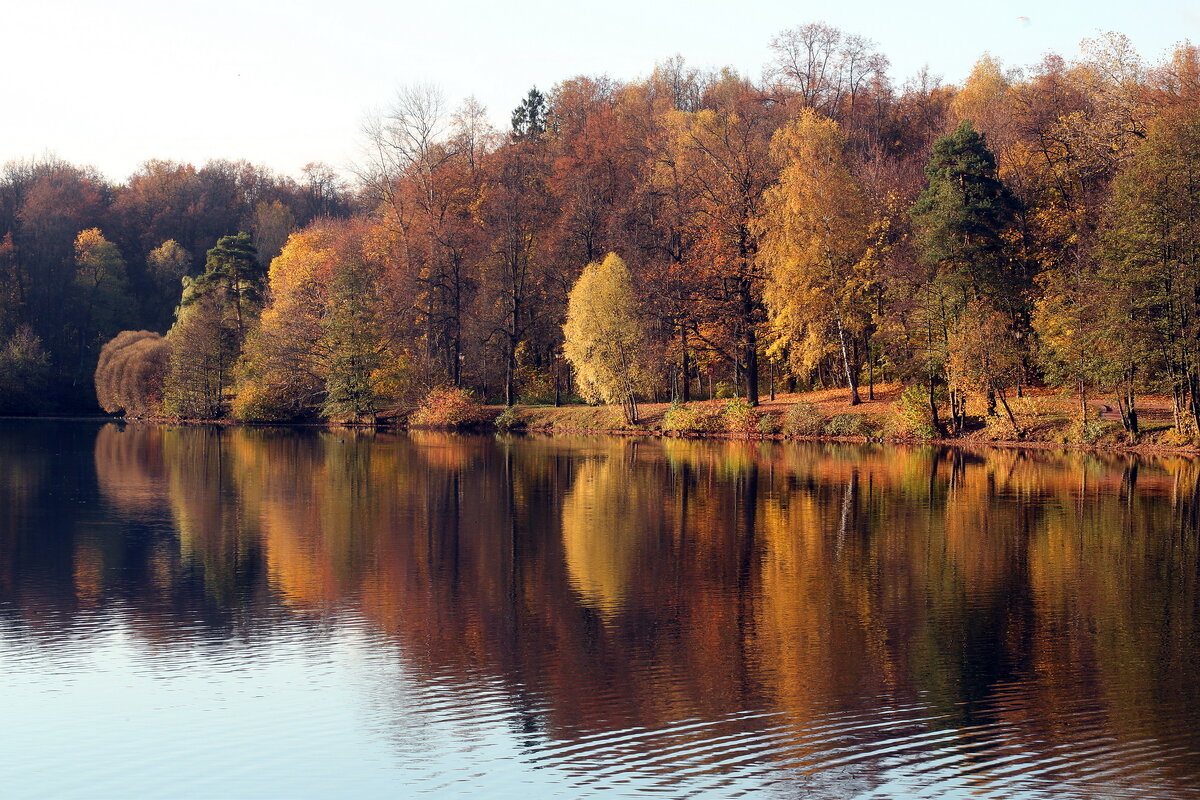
610, 585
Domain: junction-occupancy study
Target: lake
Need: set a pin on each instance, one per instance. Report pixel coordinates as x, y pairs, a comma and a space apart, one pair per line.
203, 612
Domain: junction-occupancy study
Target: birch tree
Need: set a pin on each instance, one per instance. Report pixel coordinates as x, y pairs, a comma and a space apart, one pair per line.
604, 340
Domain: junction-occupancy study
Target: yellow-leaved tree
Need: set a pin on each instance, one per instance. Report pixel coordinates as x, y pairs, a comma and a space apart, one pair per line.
816, 246
326, 344
604, 339
280, 373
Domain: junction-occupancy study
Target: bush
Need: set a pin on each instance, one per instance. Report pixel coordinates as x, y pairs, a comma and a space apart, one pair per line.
393, 382
536, 386
130, 373
802, 419
447, 407
769, 425
849, 425
510, 420
911, 416
1000, 429
682, 418
24, 368
254, 402
739, 418
1094, 430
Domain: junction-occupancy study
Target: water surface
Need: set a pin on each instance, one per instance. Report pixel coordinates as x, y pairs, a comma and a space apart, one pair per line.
199, 612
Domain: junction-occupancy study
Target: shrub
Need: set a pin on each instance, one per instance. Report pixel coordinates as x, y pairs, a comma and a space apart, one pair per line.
130, 373
1040, 406
393, 382
802, 419
681, 418
510, 419
725, 390
536, 386
447, 407
1094, 430
769, 425
739, 418
24, 368
254, 402
1000, 429
849, 425
911, 415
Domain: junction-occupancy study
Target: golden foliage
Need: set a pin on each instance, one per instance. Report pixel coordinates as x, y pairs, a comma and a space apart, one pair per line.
603, 338
817, 246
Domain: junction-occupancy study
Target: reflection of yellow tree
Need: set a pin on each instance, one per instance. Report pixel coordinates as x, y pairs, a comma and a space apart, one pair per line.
604, 517
278, 482
816, 633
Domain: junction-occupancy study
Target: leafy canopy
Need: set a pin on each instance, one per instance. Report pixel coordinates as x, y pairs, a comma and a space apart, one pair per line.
603, 338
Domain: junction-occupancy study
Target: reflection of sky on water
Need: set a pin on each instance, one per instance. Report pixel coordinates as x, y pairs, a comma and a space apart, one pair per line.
285, 714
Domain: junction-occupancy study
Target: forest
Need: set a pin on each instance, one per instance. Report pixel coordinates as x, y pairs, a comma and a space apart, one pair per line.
688, 235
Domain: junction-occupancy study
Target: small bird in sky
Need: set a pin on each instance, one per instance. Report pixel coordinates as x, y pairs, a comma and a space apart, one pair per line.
1025, 22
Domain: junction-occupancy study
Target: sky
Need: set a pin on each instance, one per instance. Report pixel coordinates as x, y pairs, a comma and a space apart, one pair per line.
112, 84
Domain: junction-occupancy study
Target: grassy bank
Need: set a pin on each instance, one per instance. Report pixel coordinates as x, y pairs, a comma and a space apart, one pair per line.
1044, 417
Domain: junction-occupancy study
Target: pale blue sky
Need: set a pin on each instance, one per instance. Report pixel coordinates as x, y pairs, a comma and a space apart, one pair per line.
114, 83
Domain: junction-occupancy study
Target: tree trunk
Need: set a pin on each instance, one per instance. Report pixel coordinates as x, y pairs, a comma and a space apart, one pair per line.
1131, 404
751, 356
870, 374
750, 342
851, 378
1012, 419
1193, 385
1125, 404
933, 410
509, 400
685, 393
456, 360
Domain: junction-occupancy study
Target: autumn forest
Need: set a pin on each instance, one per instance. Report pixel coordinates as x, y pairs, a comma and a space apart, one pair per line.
689, 235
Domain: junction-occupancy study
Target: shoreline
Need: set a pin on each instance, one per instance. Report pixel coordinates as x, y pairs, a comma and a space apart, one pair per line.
1046, 419
965, 443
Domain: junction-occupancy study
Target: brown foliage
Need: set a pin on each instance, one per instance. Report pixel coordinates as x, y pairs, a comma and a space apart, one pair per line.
448, 407
129, 376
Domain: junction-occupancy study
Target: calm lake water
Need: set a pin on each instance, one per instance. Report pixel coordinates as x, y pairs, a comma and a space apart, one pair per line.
188, 612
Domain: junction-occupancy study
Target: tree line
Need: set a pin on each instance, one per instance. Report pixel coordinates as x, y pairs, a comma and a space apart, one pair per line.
816, 226
82, 258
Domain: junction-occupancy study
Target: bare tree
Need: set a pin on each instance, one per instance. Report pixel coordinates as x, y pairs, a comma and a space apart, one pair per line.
471, 133
404, 141
824, 67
